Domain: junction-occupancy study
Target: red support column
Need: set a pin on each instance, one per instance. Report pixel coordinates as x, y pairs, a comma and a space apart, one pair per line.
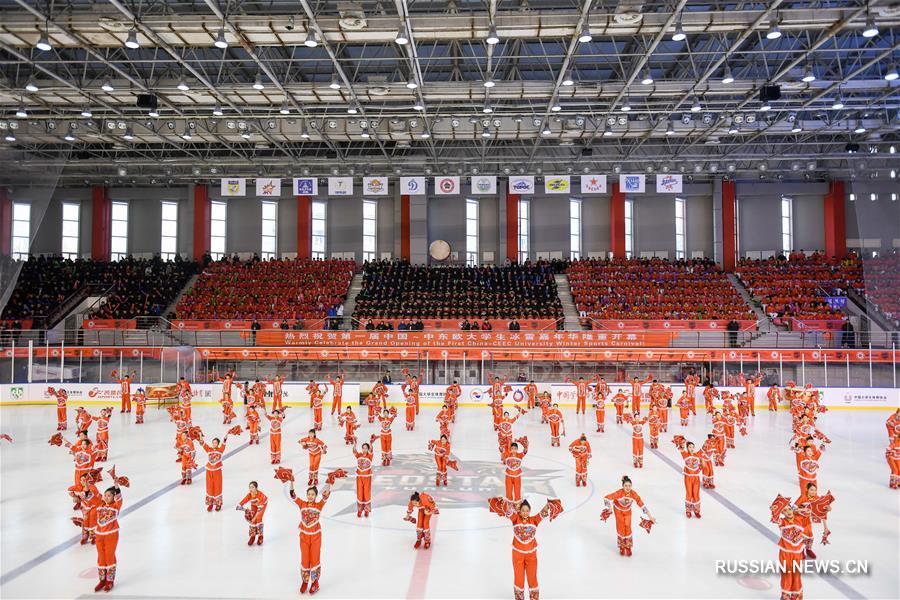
617, 222
835, 221
5, 222
729, 234
404, 228
100, 223
512, 227
304, 227
201, 221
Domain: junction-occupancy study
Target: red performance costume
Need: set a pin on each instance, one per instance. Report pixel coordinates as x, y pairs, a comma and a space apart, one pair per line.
315, 402
426, 507
531, 392
600, 392
581, 450
690, 388
582, 386
790, 548
684, 407
709, 396
441, 450
214, 474
125, 390
102, 447
140, 402
252, 418
636, 393
337, 394
524, 544
619, 503
316, 449
385, 420
512, 460
619, 401
892, 454
774, 395
348, 421
363, 480
89, 498
311, 537
692, 466
750, 390
108, 537
555, 418
412, 401
504, 429
186, 454
277, 392
275, 422
412, 381
62, 397
254, 505
637, 439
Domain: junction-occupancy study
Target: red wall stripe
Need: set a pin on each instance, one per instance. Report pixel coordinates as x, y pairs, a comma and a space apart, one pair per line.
617, 222
512, 226
404, 227
201, 221
100, 223
729, 235
304, 227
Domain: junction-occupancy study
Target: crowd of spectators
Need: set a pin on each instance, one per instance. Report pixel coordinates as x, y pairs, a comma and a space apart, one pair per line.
397, 290
131, 287
654, 288
882, 285
797, 286
267, 289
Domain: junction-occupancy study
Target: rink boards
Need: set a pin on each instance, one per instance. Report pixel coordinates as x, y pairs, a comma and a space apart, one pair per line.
429, 395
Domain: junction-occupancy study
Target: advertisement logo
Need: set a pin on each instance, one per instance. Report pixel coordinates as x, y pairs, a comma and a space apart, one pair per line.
632, 183
17, 393
447, 185
669, 183
521, 185
233, 186
375, 185
412, 185
558, 184
483, 184
306, 187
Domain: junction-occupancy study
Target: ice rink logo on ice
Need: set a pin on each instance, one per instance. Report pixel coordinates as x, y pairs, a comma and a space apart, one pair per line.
805, 567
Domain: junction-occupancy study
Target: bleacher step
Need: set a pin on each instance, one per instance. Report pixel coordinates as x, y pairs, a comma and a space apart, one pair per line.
568, 303
350, 302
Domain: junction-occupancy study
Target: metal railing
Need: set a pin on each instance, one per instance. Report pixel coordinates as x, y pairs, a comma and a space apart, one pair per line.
247, 338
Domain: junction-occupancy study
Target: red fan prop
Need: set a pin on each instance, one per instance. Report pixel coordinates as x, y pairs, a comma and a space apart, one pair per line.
283, 474
778, 505
121, 480
553, 508
56, 440
95, 475
248, 514
607, 513
236, 430
372, 439
5, 436
743, 431
825, 535
498, 505
646, 524
78, 522
410, 519
678, 440
336, 474
453, 464
195, 432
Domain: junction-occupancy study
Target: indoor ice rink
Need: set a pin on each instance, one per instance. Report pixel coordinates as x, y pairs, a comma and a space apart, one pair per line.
625, 277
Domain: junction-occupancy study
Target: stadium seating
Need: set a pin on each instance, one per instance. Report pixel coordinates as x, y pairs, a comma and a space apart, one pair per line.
797, 288
132, 287
654, 289
397, 290
271, 289
882, 285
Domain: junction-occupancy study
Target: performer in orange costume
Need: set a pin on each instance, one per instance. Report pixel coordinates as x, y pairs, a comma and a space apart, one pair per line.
707, 458
227, 382
441, 450
691, 471
311, 536
601, 387
443, 420
372, 401
62, 397
600, 408
531, 392
807, 465
363, 479
316, 448
805, 512
710, 394
185, 393
653, 425
277, 393
636, 385
102, 447
893, 425
89, 498
348, 421
496, 404
258, 502
504, 429
524, 544
140, 401
750, 390
412, 381
315, 400
214, 454
684, 408
892, 454
718, 432
82, 453
337, 393
790, 549
83, 420
411, 402
637, 439
544, 404
379, 394
619, 503
512, 460
690, 388
581, 391
426, 507
186, 454
774, 396
108, 537
276, 418
451, 399
386, 420
581, 450
311, 388
125, 388
252, 418
555, 417
619, 401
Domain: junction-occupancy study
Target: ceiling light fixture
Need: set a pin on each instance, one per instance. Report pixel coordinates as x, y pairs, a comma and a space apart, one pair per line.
492, 37
487, 109
310, 41
69, 137
774, 31
679, 34
871, 30
808, 75
285, 110
335, 82
485, 132
129, 134
489, 82
86, 112
411, 83
401, 39
353, 108
555, 106
585, 36
31, 85
217, 110
696, 107
43, 44
568, 80
182, 85
727, 77
221, 42
21, 113
626, 105
419, 105
131, 41
891, 73
648, 78
107, 86
670, 130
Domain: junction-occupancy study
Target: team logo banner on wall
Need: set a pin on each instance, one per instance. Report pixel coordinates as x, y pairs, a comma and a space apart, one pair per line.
340, 186
521, 184
375, 186
667, 183
593, 184
268, 186
306, 186
632, 183
412, 186
446, 186
484, 185
557, 184
234, 186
